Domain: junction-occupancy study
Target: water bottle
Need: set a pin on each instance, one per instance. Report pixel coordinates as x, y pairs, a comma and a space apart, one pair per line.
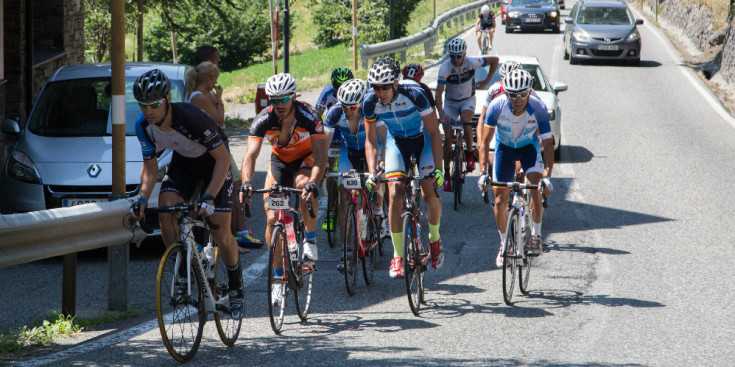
293, 246
208, 260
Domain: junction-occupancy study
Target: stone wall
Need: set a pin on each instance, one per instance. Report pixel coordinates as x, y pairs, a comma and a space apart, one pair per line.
727, 70
695, 20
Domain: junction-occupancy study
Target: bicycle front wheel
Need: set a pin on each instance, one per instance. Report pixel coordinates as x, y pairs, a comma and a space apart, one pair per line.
302, 294
457, 174
351, 248
510, 256
524, 263
332, 210
228, 328
412, 265
179, 304
276, 306
374, 238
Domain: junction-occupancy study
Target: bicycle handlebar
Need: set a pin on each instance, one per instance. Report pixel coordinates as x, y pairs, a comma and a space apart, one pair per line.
520, 186
177, 208
408, 178
278, 189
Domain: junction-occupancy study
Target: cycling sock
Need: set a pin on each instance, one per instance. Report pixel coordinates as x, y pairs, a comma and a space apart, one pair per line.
536, 229
397, 238
433, 232
310, 236
502, 237
234, 276
278, 272
378, 210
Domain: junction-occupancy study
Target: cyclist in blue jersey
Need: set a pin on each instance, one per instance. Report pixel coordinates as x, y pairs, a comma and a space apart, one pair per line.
200, 155
518, 120
347, 118
412, 130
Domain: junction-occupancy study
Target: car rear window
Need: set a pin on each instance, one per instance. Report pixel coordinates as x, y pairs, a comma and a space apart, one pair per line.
81, 107
539, 83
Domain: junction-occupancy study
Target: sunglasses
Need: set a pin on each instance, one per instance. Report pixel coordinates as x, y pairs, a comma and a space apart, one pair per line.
351, 108
280, 100
152, 106
383, 87
518, 95
456, 56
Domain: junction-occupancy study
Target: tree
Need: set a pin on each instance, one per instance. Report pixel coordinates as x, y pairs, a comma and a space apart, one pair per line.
97, 32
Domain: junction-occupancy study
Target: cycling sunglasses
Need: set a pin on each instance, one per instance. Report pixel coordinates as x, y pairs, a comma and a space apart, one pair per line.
456, 56
518, 95
351, 108
281, 100
152, 105
383, 87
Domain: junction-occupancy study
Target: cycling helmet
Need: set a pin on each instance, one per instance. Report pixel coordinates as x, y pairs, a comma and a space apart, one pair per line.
341, 75
384, 71
507, 67
280, 84
151, 86
485, 9
413, 71
517, 81
352, 92
456, 46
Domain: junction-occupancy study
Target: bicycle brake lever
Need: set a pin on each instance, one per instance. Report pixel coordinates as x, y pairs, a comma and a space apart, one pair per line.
311, 209
246, 209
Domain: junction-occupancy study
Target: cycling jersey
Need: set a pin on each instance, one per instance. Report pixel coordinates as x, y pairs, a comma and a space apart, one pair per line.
307, 125
459, 80
489, 22
427, 91
336, 121
327, 98
518, 131
402, 116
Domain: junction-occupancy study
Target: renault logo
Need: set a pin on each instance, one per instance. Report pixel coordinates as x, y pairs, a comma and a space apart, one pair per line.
94, 170
608, 40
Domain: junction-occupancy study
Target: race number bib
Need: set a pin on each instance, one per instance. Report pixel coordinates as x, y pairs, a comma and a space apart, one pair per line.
277, 203
351, 182
333, 152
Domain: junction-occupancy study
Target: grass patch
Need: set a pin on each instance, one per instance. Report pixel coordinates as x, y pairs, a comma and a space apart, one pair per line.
236, 122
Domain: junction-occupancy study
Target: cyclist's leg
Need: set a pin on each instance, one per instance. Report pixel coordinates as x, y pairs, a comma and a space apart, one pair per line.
468, 112
451, 109
177, 186
492, 35
396, 161
533, 166
345, 165
302, 178
478, 35
426, 164
503, 170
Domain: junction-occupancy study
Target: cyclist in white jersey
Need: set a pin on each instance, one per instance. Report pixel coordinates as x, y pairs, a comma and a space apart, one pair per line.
457, 75
518, 120
412, 130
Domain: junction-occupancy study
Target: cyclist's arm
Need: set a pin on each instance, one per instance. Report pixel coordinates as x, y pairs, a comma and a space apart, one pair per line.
477, 25
383, 135
251, 155
480, 123
148, 176
328, 135
484, 147
432, 127
493, 62
371, 146
439, 98
319, 148
221, 166
548, 145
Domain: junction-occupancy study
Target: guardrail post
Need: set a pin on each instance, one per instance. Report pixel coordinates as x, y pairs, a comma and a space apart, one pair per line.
69, 285
403, 57
429, 47
118, 263
364, 60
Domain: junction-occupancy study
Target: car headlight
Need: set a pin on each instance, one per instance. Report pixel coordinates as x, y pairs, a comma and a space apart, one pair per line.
513, 14
553, 14
552, 115
22, 168
581, 36
634, 36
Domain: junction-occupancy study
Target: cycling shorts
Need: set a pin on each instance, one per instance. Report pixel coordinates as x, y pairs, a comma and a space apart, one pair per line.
454, 108
352, 159
284, 173
398, 154
504, 165
184, 174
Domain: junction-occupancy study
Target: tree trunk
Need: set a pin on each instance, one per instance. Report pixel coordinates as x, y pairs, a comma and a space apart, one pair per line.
173, 36
140, 30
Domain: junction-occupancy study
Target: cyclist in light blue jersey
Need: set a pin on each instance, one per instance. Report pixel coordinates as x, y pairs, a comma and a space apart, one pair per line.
413, 129
518, 121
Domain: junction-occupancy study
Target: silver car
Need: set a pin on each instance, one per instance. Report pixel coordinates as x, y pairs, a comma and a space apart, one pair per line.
63, 156
542, 87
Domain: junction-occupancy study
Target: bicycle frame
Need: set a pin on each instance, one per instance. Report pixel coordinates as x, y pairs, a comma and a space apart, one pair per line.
185, 226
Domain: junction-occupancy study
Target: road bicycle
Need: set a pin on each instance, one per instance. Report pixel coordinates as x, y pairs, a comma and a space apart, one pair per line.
416, 253
518, 238
192, 283
286, 247
332, 191
486, 44
362, 230
458, 169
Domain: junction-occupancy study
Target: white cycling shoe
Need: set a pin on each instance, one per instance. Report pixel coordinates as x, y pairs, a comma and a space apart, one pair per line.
311, 254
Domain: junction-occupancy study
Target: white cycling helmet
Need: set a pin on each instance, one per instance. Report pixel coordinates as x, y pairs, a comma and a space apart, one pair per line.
485, 9
384, 71
351, 92
518, 81
280, 84
507, 67
456, 46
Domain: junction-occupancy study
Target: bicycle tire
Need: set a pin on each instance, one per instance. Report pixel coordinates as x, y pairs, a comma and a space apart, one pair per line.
412, 265
302, 295
332, 211
485, 41
227, 327
181, 319
524, 263
278, 239
456, 173
351, 245
510, 256
368, 261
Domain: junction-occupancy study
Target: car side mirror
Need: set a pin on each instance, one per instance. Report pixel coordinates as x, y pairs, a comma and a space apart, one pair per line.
639, 21
560, 87
568, 20
10, 126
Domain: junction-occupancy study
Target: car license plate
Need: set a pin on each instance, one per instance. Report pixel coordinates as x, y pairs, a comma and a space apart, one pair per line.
350, 183
607, 47
276, 203
532, 20
75, 202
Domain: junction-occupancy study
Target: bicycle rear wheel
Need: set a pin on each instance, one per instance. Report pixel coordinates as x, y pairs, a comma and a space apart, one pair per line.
412, 265
351, 247
524, 263
368, 262
276, 311
179, 306
457, 174
228, 328
332, 210
510, 256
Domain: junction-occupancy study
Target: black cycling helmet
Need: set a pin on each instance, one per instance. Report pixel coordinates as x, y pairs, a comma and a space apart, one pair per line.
341, 75
151, 86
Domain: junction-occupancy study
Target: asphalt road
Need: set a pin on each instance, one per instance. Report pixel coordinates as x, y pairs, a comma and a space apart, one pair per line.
637, 266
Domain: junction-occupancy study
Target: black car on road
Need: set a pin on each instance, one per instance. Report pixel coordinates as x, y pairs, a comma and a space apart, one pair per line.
533, 15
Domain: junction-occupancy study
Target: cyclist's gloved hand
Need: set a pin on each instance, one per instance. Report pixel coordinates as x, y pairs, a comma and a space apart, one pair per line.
246, 186
439, 176
135, 209
312, 188
482, 181
206, 202
546, 182
371, 181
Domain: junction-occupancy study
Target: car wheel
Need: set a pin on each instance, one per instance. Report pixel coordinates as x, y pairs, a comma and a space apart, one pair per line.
555, 30
566, 54
573, 60
636, 62
557, 153
507, 29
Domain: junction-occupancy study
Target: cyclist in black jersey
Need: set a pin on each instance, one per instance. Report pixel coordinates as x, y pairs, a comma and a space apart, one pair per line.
200, 155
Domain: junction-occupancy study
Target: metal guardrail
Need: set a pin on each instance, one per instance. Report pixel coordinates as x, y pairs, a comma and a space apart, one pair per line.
426, 36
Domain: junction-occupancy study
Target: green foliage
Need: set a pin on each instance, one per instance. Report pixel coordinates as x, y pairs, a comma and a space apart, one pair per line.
97, 28
43, 334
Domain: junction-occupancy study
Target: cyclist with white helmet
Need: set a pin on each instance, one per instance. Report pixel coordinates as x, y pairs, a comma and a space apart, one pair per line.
200, 154
412, 130
295, 133
486, 21
518, 121
457, 76
347, 118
